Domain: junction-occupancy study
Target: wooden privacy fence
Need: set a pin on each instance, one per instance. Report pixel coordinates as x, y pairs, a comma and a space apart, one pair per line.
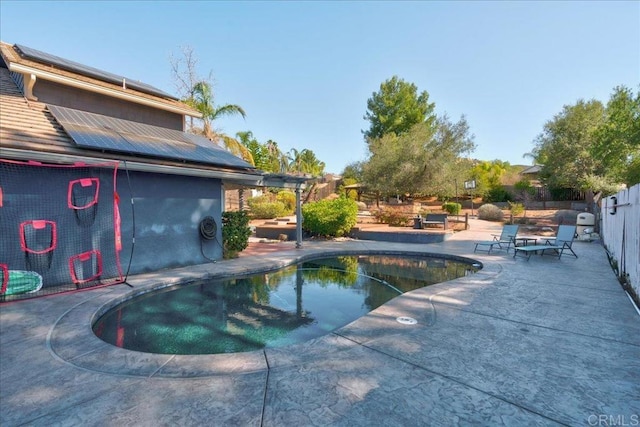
557, 195
621, 233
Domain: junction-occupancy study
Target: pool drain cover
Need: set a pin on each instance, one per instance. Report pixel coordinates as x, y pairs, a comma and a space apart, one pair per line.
406, 320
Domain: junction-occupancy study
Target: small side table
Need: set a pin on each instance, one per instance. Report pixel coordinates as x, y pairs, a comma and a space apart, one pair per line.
524, 240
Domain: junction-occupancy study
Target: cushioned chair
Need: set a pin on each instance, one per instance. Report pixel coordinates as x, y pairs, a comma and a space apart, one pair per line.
559, 244
507, 237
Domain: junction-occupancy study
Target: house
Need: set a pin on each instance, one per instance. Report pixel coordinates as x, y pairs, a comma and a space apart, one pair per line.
532, 174
99, 180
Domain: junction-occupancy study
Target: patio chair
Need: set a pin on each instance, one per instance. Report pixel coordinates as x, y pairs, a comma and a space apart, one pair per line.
507, 237
559, 244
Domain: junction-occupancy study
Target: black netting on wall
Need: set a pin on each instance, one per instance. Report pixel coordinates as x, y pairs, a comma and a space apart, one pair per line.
59, 228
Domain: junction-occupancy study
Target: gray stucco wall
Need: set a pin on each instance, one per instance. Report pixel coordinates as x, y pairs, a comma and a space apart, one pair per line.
36, 193
168, 211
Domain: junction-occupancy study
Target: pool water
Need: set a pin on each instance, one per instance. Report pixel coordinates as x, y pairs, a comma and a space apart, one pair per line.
273, 309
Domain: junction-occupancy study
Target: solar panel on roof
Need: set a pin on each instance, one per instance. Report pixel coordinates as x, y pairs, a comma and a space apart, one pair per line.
98, 132
85, 70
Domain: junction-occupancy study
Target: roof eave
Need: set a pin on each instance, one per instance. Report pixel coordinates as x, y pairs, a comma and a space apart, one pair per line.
246, 178
241, 178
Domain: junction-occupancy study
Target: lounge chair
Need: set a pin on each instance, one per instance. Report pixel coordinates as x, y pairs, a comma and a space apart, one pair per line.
559, 244
507, 237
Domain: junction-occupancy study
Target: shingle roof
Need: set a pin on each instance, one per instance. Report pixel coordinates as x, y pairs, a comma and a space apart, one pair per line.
54, 62
531, 169
11, 56
26, 124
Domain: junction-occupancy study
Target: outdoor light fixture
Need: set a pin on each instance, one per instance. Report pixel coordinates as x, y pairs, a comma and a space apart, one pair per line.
614, 206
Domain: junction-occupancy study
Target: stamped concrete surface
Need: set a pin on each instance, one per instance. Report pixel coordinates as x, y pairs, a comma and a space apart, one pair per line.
539, 342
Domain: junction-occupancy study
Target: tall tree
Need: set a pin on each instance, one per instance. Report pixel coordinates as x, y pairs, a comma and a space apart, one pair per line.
488, 175
617, 142
353, 171
592, 147
202, 99
425, 160
396, 108
306, 162
185, 74
453, 143
198, 93
237, 149
565, 146
278, 161
258, 151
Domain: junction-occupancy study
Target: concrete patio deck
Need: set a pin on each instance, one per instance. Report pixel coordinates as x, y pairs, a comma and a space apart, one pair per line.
539, 342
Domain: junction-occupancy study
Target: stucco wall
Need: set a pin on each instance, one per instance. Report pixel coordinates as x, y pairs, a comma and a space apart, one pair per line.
168, 211
65, 96
37, 194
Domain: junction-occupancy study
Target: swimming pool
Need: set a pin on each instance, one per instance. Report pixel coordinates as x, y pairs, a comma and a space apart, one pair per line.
274, 309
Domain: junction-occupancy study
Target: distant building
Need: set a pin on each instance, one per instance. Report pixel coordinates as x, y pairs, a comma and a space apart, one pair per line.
532, 173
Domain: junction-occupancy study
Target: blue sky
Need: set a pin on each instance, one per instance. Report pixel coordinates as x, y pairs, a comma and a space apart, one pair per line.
303, 71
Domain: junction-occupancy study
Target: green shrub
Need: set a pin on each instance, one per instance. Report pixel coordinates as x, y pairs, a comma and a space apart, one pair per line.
288, 198
516, 208
397, 219
524, 187
602, 184
264, 198
352, 194
498, 194
268, 210
391, 216
490, 212
235, 233
331, 218
451, 208
271, 206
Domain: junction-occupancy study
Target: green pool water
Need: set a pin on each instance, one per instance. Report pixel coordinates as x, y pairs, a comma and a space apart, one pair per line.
273, 309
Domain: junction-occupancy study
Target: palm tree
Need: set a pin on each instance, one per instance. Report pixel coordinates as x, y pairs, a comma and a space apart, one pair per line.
311, 164
305, 161
278, 161
201, 99
295, 160
237, 149
258, 151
